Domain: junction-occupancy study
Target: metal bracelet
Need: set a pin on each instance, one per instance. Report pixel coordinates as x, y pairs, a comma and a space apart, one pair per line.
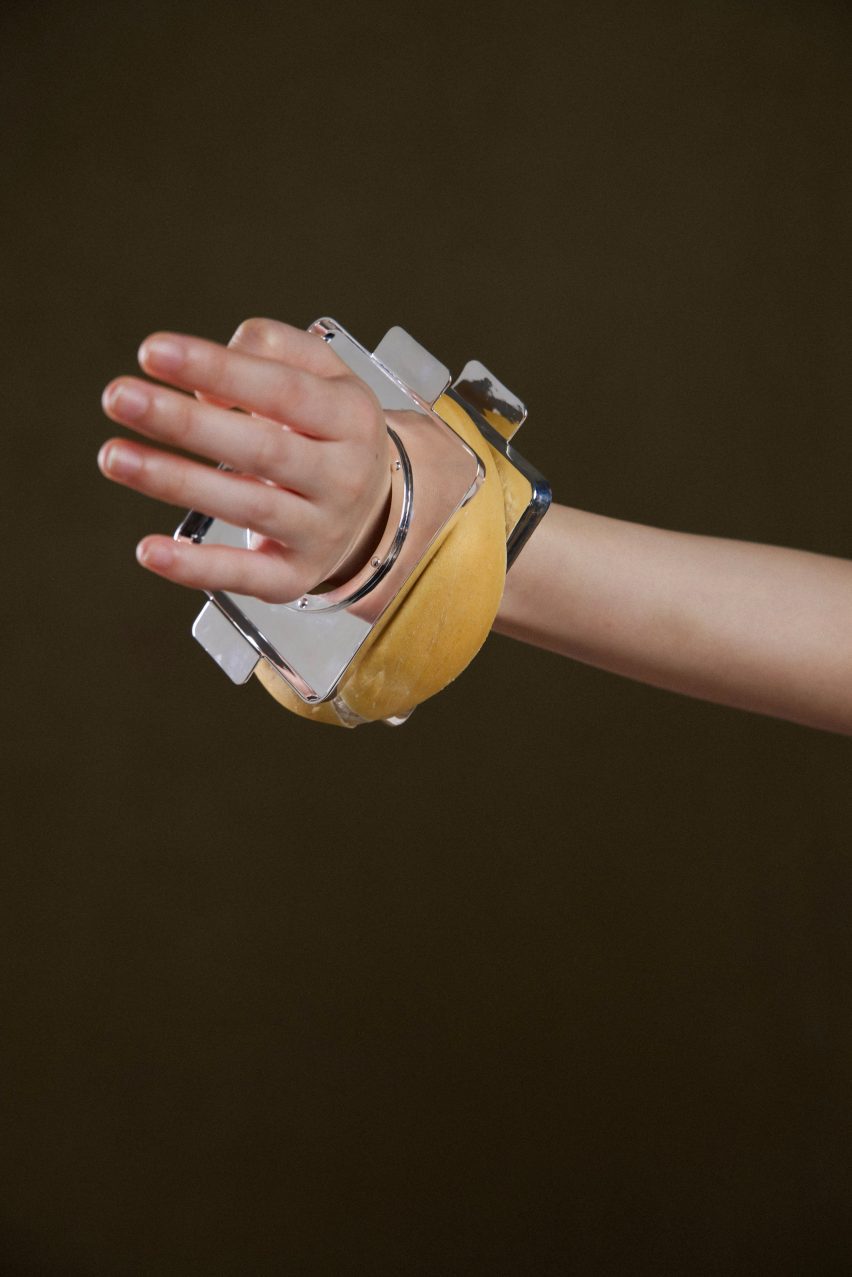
311, 642
386, 552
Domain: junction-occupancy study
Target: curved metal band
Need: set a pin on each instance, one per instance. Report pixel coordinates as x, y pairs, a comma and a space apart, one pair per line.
387, 551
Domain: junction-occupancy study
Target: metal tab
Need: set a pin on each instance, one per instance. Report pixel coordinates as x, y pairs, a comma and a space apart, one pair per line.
398, 719
223, 641
499, 406
412, 364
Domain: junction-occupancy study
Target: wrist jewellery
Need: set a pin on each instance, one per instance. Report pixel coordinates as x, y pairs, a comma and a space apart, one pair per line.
463, 504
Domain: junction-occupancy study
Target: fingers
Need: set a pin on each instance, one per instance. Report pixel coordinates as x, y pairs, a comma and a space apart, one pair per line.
241, 500
315, 432
270, 574
272, 339
252, 445
323, 407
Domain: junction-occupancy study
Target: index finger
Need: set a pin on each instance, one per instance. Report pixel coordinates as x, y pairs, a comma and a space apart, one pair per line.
323, 407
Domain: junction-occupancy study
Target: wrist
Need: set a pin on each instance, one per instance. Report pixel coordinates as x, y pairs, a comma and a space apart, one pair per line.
368, 538
423, 593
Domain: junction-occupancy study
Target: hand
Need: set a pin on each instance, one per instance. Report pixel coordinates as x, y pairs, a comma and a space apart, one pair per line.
310, 468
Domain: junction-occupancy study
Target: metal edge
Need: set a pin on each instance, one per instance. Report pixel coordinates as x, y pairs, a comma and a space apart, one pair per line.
542, 494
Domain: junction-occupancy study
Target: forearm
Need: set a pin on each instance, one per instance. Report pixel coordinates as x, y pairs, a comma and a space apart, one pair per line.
754, 626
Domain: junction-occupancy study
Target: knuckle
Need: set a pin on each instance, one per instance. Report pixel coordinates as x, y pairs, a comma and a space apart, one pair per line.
269, 450
189, 565
144, 479
367, 418
171, 484
219, 367
158, 481
357, 398
184, 421
261, 503
254, 333
296, 393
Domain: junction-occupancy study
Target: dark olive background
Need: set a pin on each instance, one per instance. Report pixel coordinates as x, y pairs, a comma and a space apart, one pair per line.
554, 979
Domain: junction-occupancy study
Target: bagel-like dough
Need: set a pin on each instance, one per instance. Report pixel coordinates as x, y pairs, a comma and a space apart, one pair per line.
440, 619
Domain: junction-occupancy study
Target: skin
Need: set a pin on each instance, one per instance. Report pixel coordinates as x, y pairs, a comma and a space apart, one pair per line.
754, 626
311, 468
757, 627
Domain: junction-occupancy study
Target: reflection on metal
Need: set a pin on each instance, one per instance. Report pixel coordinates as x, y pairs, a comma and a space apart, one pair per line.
538, 491
397, 720
409, 362
225, 643
479, 388
312, 641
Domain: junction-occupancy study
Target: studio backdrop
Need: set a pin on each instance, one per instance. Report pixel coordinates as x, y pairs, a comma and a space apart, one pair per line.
554, 979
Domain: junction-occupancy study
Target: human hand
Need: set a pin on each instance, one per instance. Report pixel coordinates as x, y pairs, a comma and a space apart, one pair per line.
310, 468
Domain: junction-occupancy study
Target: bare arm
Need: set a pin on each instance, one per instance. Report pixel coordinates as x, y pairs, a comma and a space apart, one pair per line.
754, 626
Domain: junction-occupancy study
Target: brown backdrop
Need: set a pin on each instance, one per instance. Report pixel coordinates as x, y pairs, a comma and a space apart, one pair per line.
554, 979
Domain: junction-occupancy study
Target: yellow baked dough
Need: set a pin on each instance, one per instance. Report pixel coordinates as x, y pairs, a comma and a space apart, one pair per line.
441, 618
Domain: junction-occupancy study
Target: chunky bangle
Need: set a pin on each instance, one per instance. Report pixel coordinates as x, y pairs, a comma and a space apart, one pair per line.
385, 552
462, 505
384, 555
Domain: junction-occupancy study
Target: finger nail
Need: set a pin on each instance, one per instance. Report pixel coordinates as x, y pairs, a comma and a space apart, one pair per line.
127, 402
161, 352
119, 461
154, 554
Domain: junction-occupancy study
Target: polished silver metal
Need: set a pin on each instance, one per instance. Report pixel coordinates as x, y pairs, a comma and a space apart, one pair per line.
411, 364
481, 390
539, 495
224, 642
311, 641
397, 720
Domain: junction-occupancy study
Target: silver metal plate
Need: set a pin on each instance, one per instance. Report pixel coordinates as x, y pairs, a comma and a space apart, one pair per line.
499, 405
225, 644
412, 364
312, 645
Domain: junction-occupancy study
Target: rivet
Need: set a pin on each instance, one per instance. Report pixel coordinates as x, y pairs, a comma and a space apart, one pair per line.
303, 602
397, 465
374, 563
